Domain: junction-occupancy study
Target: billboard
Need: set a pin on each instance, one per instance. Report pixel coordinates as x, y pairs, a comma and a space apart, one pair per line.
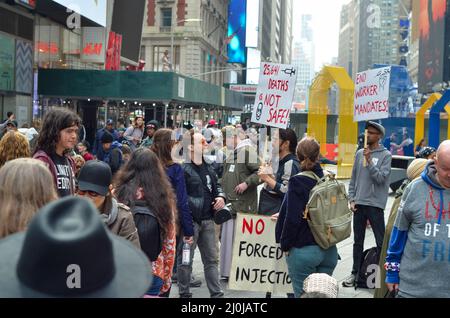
94, 10
252, 30
432, 43
253, 64
128, 21
237, 18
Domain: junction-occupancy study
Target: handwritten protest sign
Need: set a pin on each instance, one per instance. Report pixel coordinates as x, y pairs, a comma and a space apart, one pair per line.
258, 263
372, 94
275, 93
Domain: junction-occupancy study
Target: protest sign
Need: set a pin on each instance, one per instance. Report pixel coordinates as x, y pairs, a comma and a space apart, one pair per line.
258, 263
372, 94
275, 93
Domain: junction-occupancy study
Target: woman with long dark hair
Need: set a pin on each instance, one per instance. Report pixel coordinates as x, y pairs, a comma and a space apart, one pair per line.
142, 185
163, 144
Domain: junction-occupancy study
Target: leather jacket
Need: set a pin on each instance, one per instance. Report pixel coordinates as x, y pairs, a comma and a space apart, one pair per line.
194, 187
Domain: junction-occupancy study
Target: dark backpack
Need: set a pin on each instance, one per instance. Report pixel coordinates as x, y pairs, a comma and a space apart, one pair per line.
369, 257
148, 231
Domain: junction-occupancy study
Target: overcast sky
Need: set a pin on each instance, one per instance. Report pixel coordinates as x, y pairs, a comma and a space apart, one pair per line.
325, 25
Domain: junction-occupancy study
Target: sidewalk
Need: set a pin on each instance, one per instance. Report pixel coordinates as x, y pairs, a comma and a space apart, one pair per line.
341, 272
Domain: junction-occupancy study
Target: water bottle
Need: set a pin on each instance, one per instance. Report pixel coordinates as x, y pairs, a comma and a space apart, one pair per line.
186, 260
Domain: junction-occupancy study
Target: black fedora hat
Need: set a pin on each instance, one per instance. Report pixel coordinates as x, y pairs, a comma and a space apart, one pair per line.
68, 252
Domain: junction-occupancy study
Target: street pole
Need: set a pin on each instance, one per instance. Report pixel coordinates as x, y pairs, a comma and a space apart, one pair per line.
171, 48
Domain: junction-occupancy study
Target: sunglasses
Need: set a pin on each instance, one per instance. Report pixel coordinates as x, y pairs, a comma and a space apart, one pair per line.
92, 194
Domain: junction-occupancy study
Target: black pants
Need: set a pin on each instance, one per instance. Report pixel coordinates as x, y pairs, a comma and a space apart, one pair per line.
360, 217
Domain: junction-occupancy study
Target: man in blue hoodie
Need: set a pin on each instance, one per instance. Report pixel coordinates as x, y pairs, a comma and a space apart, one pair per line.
420, 240
97, 149
368, 193
112, 152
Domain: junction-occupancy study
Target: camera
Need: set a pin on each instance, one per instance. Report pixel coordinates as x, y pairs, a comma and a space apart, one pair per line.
224, 215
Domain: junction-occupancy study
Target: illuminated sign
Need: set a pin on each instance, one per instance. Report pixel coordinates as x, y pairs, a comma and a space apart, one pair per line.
237, 17
93, 47
432, 43
252, 31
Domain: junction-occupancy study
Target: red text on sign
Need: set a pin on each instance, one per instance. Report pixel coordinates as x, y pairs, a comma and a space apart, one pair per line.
278, 116
272, 100
249, 226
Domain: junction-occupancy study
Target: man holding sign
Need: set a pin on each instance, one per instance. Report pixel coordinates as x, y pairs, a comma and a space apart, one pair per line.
369, 186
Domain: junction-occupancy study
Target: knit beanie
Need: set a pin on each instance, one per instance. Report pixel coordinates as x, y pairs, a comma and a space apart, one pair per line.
107, 138
416, 168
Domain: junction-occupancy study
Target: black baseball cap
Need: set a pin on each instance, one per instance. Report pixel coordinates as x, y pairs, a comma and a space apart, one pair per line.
95, 176
153, 124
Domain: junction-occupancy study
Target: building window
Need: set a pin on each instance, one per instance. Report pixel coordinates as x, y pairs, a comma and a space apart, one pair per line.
166, 17
159, 59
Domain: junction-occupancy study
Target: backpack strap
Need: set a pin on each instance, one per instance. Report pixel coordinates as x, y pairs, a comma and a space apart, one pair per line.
310, 175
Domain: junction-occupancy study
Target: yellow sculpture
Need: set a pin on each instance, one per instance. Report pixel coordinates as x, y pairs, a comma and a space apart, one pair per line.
318, 111
420, 117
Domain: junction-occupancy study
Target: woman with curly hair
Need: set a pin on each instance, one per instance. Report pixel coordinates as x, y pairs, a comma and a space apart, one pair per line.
23, 191
58, 137
142, 185
13, 145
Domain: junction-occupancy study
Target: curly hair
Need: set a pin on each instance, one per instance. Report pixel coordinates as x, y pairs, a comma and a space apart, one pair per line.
54, 121
24, 189
13, 145
144, 170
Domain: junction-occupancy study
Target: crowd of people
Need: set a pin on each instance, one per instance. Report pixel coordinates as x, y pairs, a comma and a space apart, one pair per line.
161, 190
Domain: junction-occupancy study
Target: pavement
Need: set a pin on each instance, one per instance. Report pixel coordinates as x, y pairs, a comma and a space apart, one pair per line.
342, 271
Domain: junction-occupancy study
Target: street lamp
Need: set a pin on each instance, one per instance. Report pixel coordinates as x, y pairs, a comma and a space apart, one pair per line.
172, 35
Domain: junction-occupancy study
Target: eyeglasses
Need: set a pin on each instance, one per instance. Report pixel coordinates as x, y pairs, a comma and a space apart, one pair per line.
92, 194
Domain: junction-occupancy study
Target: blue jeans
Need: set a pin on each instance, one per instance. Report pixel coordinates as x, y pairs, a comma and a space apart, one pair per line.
308, 260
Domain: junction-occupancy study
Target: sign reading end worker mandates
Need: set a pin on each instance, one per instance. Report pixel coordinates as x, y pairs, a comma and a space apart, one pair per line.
258, 263
372, 94
275, 93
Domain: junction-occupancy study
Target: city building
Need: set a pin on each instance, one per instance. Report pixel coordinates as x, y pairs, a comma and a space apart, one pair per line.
191, 33
378, 36
304, 59
276, 25
346, 32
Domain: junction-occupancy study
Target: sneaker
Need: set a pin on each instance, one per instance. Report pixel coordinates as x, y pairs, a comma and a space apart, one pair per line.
186, 295
195, 283
349, 281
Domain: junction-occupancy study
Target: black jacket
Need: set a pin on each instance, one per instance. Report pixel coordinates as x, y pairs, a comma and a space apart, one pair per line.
148, 230
195, 192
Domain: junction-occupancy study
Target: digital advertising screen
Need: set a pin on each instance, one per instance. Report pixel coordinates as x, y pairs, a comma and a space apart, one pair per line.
237, 18
432, 43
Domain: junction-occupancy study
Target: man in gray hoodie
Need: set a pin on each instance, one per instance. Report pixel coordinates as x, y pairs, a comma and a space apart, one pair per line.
368, 193
418, 261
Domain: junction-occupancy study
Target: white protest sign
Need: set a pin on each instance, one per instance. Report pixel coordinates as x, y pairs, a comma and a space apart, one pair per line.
372, 94
275, 93
258, 263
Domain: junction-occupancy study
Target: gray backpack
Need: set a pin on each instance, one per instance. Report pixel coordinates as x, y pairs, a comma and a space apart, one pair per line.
327, 211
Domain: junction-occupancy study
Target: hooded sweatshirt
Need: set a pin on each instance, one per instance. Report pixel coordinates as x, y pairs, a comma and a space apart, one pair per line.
418, 256
370, 185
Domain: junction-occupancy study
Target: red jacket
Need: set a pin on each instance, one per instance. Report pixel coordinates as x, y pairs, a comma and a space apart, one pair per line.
88, 157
